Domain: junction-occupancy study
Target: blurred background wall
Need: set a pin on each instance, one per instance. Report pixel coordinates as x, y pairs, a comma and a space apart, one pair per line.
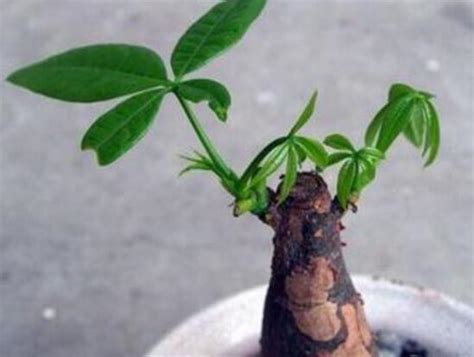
103, 261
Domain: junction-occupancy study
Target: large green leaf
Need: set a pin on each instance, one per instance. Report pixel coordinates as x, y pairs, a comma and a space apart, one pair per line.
305, 115
345, 181
198, 90
219, 29
93, 73
115, 132
290, 174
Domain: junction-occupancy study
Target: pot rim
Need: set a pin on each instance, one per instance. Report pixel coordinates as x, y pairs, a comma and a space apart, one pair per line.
430, 317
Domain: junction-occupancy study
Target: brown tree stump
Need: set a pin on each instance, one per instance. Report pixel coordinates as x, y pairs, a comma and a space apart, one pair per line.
311, 307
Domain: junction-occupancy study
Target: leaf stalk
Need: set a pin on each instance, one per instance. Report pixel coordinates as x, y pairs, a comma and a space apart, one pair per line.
223, 170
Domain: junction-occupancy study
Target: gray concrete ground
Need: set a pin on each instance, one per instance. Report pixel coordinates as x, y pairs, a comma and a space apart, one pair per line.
101, 262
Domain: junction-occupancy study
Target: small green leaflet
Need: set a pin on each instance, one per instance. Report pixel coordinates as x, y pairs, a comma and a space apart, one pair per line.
433, 133
314, 150
373, 130
200, 162
198, 90
399, 90
302, 156
358, 169
371, 154
340, 142
118, 130
253, 167
398, 98
272, 162
290, 174
365, 174
395, 121
345, 181
305, 115
337, 157
414, 130
218, 30
94, 73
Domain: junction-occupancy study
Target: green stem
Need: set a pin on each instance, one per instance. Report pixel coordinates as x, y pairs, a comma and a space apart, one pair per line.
205, 141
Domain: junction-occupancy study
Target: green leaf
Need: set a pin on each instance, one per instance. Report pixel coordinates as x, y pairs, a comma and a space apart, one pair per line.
373, 130
427, 132
345, 181
201, 162
395, 121
434, 133
338, 141
414, 130
290, 174
371, 153
337, 157
115, 132
94, 73
219, 29
200, 157
272, 162
302, 156
314, 150
195, 167
305, 115
253, 167
198, 90
415, 125
204, 163
365, 174
399, 89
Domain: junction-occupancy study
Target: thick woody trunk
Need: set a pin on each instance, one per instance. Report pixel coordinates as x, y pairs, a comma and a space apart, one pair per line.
311, 308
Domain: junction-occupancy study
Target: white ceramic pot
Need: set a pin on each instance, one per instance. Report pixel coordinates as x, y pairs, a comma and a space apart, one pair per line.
231, 327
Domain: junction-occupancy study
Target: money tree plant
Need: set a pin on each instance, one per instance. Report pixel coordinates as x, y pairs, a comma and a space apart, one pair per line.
312, 307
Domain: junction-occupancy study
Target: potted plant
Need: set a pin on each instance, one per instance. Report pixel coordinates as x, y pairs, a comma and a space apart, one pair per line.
312, 307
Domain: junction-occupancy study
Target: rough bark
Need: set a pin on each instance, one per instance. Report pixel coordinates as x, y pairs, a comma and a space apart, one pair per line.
312, 308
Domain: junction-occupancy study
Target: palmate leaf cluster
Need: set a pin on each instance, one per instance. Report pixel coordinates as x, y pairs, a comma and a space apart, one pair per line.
291, 150
408, 112
358, 168
108, 71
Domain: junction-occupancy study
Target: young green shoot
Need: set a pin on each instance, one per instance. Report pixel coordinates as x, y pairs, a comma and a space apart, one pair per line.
108, 71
